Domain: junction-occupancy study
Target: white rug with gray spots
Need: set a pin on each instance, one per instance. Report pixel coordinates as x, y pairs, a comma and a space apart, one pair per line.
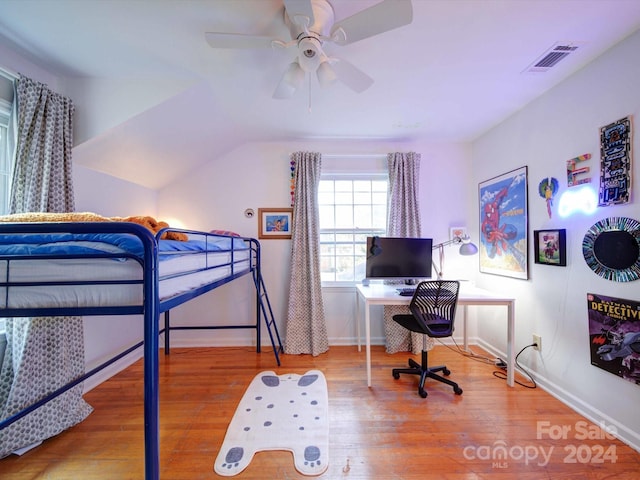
279, 412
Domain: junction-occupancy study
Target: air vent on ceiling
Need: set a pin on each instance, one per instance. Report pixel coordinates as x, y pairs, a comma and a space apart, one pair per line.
551, 57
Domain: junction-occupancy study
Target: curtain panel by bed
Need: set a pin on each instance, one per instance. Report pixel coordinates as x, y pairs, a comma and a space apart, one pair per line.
42, 180
42, 353
306, 327
403, 221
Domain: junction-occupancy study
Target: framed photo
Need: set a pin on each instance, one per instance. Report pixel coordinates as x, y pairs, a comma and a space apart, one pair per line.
504, 225
460, 232
550, 247
274, 222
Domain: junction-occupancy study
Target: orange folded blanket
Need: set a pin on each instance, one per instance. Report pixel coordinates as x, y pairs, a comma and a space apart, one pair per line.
151, 223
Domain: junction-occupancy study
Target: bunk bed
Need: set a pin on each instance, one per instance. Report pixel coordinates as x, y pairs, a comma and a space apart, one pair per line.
121, 268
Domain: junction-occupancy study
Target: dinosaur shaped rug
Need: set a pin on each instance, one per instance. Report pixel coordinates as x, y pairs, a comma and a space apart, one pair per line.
279, 412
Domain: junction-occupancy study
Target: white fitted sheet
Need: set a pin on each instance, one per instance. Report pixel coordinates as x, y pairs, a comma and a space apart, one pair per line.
178, 275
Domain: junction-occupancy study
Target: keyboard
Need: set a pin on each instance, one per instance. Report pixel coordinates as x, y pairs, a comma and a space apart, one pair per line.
406, 292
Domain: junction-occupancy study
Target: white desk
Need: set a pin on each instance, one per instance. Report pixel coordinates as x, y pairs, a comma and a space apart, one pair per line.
380, 294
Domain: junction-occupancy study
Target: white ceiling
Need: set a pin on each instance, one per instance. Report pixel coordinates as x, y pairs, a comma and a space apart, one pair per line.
451, 75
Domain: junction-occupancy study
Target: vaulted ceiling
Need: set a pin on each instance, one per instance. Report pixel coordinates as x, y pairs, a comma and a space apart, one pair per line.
457, 70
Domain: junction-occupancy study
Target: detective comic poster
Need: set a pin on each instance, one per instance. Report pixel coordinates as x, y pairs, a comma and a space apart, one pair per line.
614, 335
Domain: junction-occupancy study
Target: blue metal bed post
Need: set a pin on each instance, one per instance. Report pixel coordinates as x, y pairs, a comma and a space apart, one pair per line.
258, 295
151, 360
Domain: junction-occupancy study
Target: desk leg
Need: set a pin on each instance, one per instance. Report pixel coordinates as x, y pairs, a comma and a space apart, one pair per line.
358, 321
511, 361
465, 334
367, 339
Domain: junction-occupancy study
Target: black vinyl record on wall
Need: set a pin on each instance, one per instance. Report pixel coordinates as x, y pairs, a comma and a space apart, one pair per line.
611, 248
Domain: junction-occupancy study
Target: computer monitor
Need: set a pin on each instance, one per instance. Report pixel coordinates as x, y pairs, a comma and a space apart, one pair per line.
407, 259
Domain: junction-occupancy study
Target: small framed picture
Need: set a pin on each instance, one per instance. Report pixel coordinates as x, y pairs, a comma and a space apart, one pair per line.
550, 247
274, 222
459, 232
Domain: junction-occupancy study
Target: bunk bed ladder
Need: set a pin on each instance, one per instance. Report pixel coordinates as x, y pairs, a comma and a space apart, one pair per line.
264, 310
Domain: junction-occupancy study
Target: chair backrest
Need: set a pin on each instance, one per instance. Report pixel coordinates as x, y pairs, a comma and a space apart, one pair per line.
434, 306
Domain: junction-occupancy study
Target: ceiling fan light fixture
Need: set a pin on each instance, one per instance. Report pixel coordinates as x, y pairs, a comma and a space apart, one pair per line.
310, 53
311, 23
290, 82
326, 74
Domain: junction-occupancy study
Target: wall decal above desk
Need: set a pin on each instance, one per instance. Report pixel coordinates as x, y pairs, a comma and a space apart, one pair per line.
548, 188
573, 170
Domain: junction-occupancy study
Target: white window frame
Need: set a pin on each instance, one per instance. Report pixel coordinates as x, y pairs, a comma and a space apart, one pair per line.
5, 167
358, 241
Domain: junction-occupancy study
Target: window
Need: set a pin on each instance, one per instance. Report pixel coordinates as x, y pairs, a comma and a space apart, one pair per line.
352, 207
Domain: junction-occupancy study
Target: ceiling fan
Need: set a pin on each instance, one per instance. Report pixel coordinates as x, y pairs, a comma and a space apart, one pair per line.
311, 23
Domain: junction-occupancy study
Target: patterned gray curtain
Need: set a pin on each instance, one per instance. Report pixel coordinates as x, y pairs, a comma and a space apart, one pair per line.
306, 327
42, 180
403, 221
42, 353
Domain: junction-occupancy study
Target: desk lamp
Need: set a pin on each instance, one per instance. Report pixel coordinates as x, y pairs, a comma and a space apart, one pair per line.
466, 248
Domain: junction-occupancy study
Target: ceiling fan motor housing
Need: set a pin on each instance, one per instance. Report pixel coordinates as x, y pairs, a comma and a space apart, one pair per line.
309, 35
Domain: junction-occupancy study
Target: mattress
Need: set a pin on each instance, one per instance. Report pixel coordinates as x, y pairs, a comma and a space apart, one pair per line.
70, 282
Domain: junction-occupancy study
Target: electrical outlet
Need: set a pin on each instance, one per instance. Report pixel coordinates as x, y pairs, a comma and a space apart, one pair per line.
537, 339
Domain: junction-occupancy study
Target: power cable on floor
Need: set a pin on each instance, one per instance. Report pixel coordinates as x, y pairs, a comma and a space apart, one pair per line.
501, 373
493, 361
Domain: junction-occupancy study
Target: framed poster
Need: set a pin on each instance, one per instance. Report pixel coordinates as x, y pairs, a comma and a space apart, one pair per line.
504, 225
614, 335
550, 247
274, 222
615, 168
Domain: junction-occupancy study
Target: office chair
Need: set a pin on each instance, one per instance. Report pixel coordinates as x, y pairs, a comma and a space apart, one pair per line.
433, 310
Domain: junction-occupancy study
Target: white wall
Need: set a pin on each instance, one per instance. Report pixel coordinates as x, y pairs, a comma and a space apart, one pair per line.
560, 125
17, 64
102, 104
109, 196
106, 335
257, 175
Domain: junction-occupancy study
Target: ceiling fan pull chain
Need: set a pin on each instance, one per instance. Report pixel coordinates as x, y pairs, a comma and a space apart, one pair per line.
309, 93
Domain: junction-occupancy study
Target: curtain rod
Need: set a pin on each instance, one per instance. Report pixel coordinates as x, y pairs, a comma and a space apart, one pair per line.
355, 155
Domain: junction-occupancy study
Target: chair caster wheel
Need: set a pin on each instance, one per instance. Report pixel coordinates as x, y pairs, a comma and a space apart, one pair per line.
423, 393
396, 375
446, 372
457, 391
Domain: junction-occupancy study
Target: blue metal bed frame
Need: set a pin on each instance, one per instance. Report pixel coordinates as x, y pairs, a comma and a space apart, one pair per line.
150, 308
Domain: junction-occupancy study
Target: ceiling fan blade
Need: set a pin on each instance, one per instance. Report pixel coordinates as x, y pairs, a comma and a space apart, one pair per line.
380, 18
300, 12
237, 40
350, 75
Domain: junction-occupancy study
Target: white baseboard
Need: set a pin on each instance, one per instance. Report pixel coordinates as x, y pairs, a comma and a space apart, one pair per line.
108, 372
588, 411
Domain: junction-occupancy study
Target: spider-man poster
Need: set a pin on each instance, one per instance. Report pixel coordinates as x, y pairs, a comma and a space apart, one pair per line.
504, 225
614, 335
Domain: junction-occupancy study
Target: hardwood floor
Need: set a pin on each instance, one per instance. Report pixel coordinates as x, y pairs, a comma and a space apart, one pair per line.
383, 432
